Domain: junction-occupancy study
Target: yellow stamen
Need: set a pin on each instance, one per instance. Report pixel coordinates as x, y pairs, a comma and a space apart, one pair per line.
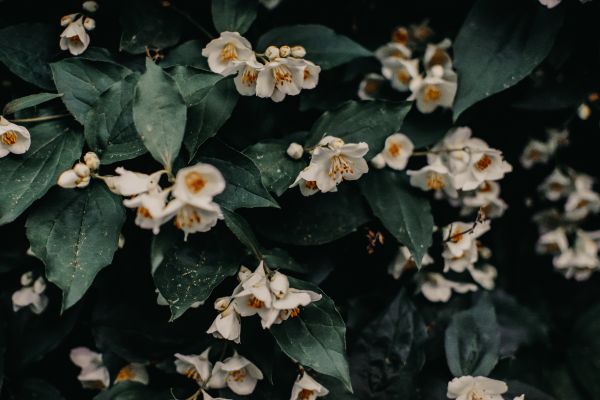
340, 165
435, 181
238, 375
9, 138
483, 163
432, 93
255, 303
395, 149
195, 182
305, 394
229, 53
312, 185
403, 76
125, 374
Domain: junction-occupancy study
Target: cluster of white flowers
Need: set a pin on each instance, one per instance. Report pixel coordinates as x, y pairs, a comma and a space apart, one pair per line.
464, 169
477, 388
13, 138
75, 37
80, 175
280, 71
539, 152
262, 292
579, 259
402, 67
94, 374
462, 252
31, 294
332, 161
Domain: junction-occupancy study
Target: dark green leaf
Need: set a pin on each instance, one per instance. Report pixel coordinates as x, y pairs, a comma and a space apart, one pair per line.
277, 169
499, 44
584, 352
516, 388
109, 127
194, 84
25, 178
159, 114
188, 275
277, 258
234, 15
147, 25
323, 46
187, 54
242, 230
472, 341
37, 389
75, 233
404, 211
316, 338
370, 122
82, 82
26, 50
130, 390
33, 100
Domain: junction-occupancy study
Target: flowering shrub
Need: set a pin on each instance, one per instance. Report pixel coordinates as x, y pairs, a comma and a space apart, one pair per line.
272, 199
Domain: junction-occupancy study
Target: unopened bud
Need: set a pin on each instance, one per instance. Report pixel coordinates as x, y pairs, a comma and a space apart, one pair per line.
39, 286
437, 71
272, 52
83, 182
27, 278
81, 170
295, 151
90, 6
298, 51
279, 284
244, 273
284, 51
91, 160
67, 19
378, 161
121, 242
89, 23
584, 112
68, 179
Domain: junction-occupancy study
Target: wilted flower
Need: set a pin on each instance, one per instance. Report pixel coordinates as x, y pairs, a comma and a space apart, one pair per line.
227, 324
31, 294
306, 388
93, 375
13, 138
151, 212
478, 387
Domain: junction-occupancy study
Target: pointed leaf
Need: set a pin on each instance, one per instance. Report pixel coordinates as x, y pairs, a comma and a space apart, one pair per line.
234, 15
33, 100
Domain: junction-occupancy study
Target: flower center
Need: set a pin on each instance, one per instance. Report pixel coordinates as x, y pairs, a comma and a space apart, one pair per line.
555, 187
394, 149
396, 54
238, 375
255, 303
340, 165
403, 76
371, 86
74, 40
125, 374
192, 373
456, 236
476, 396
432, 93
306, 74
312, 185
295, 312
435, 181
186, 218
143, 212
9, 138
400, 35
249, 76
305, 394
582, 203
483, 163
282, 75
228, 53
194, 182
534, 154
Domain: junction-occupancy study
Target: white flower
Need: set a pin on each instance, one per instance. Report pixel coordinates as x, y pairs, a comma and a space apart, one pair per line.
13, 138
237, 373
556, 185
583, 200
310, 73
75, 38
437, 89
369, 87
272, 52
485, 164
93, 375
378, 161
332, 162
227, 324
401, 73
31, 294
306, 388
484, 276
397, 150
452, 150
89, 23
552, 242
436, 288
151, 211
278, 78
462, 262
198, 184
253, 295
557, 138
476, 388
436, 54
535, 152
206, 396
295, 151
270, 4
90, 6
91, 160
194, 366
550, 3
287, 301
485, 198
128, 183
191, 219
460, 236
391, 53
224, 51
435, 176
404, 261
134, 372
247, 75
581, 260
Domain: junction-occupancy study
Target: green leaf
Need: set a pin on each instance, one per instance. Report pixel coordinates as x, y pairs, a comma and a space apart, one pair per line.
316, 338
159, 114
75, 233
188, 275
82, 82
472, 340
26, 49
2, 353
242, 230
277, 258
277, 169
499, 44
244, 187
371, 122
148, 25
28, 101
314, 220
109, 127
207, 116
131, 390
403, 211
323, 46
234, 15
37, 389
194, 84
584, 351
187, 54
25, 178
389, 353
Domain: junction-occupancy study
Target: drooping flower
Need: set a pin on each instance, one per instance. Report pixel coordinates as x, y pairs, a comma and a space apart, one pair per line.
536, 152
460, 236
247, 76
485, 198
552, 242
194, 366
13, 138
31, 294
127, 183
478, 387
93, 375
583, 200
287, 300
580, 261
392, 52
397, 150
437, 54
134, 372
75, 37
224, 51
436, 288
227, 324
151, 209
238, 373
306, 388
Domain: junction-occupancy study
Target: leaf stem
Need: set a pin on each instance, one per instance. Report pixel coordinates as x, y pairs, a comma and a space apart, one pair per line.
40, 118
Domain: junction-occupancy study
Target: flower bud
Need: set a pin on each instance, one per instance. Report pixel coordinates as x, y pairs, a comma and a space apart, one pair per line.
584, 112
437, 71
39, 285
68, 179
295, 151
91, 160
378, 161
90, 6
284, 51
83, 182
81, 170
222, 303
67, 19
26, 278
121, 242
89, 23
272, 52
279, 284
298, 51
